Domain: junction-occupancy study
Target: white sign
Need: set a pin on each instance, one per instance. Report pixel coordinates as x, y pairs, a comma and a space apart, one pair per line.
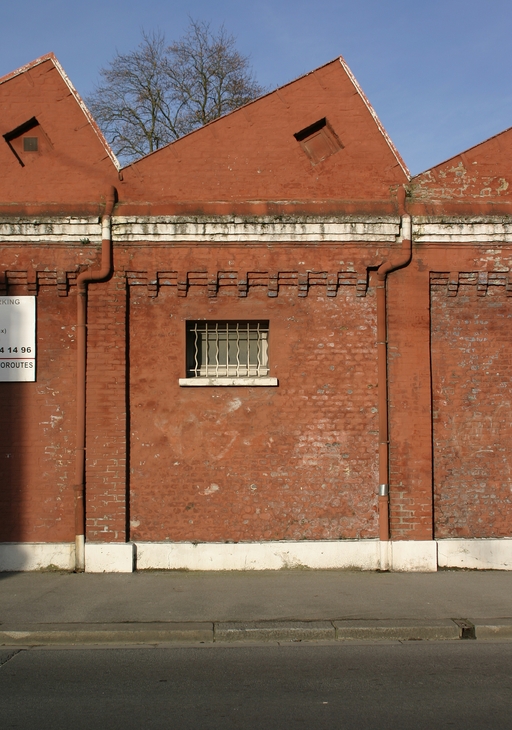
17, 339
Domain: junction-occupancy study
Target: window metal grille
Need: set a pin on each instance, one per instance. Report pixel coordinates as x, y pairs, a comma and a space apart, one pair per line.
227, 349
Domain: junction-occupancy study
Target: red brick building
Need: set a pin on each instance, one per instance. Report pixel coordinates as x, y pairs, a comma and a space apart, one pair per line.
261, 346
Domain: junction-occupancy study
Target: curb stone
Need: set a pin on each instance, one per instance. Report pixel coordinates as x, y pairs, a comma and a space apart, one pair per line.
499, 628
274, 631
401, 630
232, 632
150, 633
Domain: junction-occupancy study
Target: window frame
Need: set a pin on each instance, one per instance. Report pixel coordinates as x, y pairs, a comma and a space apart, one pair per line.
225, 340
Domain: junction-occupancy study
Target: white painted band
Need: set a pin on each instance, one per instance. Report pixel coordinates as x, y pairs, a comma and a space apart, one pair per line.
221, 229
21, 556
404, 556
476, 230
483, 554
54, 229
229, 229
288, 554
109, 557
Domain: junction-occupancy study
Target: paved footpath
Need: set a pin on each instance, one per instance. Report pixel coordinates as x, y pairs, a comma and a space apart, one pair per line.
159, 607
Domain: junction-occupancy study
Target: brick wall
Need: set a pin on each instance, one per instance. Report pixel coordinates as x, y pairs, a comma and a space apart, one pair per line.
410, 464
244, 463
38, 420
298, 461
106, 412
472, 377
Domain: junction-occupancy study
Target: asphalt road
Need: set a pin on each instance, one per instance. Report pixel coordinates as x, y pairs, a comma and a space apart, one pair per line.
415, 685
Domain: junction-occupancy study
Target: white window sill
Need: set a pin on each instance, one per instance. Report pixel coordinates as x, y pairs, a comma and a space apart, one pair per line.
198, 382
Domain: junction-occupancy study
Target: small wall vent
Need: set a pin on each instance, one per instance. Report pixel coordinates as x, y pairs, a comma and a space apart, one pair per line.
28, 137
319, 141
30, 144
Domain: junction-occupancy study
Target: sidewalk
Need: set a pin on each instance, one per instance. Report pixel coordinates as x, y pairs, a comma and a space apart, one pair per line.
156, 607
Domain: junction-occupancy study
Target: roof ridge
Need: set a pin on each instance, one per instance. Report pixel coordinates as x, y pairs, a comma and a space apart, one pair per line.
376, 119
463, 152
22, 69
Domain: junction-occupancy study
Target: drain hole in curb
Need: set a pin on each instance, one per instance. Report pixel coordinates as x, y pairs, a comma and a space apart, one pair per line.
467, 629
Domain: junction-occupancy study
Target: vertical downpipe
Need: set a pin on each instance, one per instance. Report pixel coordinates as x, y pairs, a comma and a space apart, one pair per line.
81, 362
382, 363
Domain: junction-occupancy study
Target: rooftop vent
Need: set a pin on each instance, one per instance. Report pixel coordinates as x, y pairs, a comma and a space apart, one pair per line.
319, 141
28, 137
30, 144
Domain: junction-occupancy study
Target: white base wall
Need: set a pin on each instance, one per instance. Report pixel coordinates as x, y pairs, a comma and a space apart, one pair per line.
109, 557
359, 555
404, 556
413, 555
477, 554
19, 556
321, 555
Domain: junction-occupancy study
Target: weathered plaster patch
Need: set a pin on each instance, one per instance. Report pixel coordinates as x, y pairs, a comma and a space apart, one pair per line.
234, 405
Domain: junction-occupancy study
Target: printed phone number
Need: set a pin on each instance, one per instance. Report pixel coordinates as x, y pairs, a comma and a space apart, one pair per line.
15, 350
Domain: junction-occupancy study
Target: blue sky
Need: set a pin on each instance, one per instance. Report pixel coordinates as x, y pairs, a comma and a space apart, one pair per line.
438, 72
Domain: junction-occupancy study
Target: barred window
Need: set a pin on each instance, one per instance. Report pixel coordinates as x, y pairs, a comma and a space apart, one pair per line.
227, 353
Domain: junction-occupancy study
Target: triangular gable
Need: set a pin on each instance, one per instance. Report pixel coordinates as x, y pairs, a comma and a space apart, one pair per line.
52, 153
475, 181
314, 145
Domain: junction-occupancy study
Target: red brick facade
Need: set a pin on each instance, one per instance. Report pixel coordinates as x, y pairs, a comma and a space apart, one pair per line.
291, 462
242, 221
472, 428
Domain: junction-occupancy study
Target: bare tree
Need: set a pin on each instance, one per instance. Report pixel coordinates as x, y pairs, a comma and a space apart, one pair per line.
209, 76
157, 93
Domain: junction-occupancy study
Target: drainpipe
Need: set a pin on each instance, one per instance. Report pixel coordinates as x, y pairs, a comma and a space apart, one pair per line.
398, 262
81, 360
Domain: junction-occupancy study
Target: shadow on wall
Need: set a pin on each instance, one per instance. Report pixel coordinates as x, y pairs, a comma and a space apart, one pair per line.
16, 453
36, 451
12, 459
16, 557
